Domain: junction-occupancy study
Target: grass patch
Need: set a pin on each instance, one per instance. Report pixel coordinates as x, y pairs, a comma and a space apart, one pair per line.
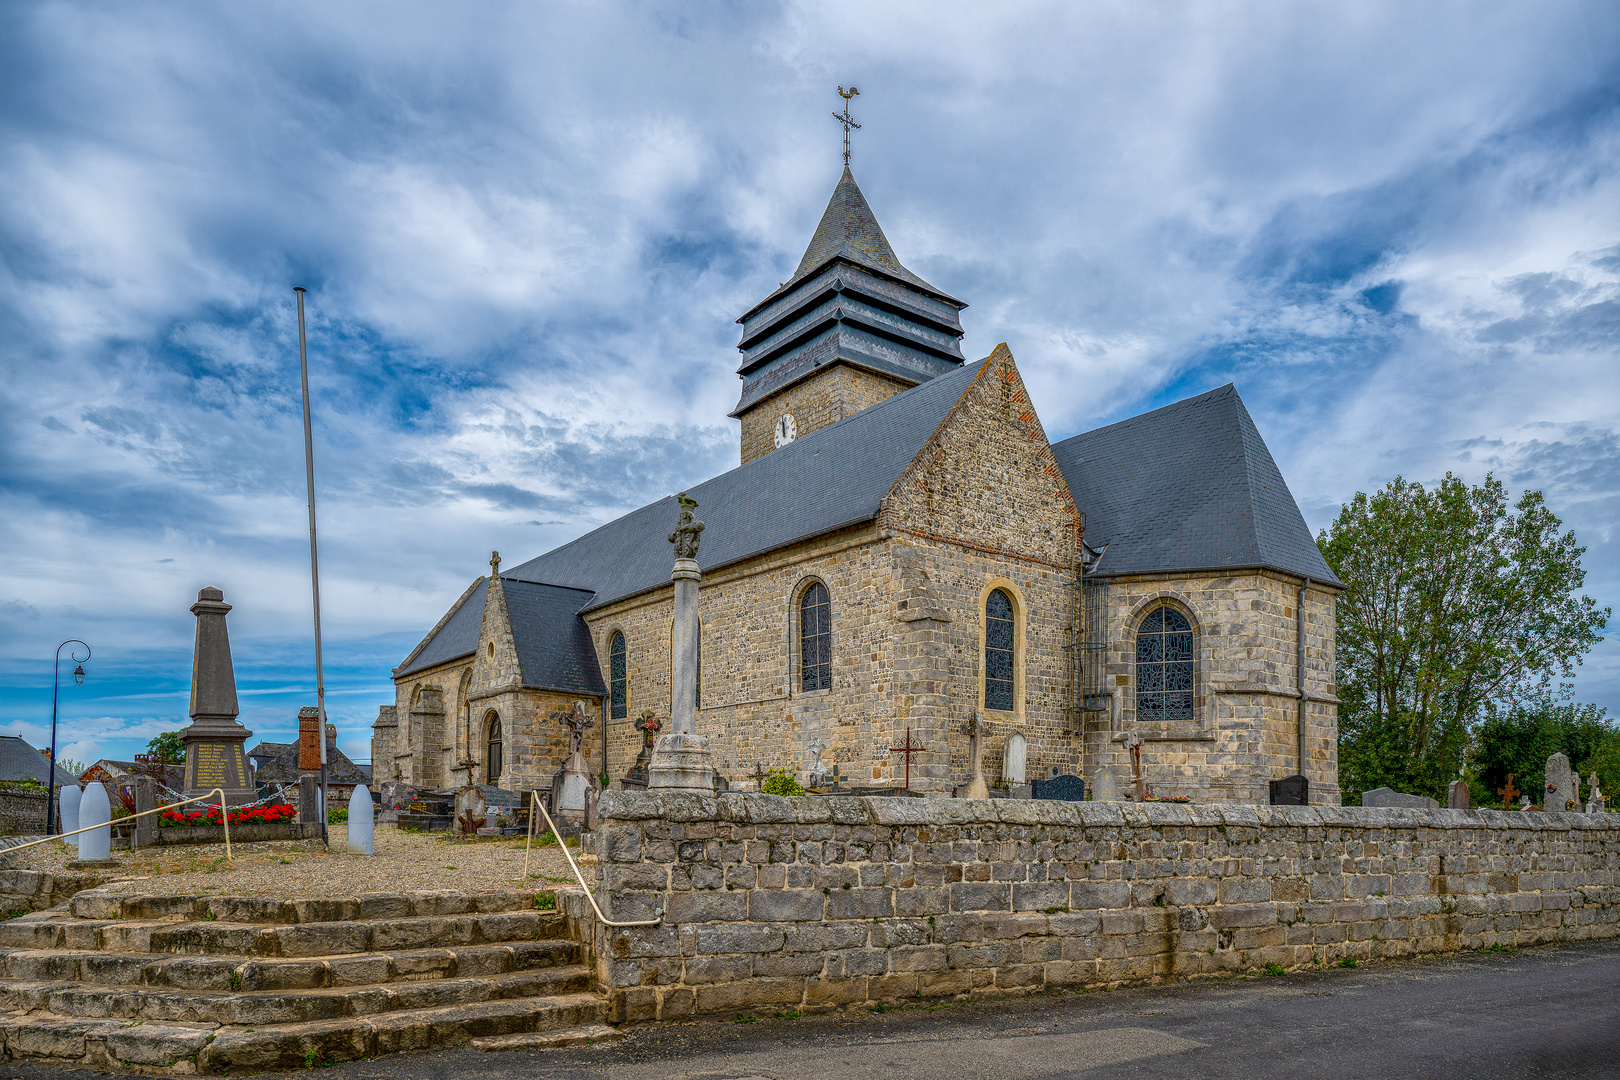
1347, 962
546, 901
880, 1007
744, 1018
1497, 947
788, 1014
1274, 969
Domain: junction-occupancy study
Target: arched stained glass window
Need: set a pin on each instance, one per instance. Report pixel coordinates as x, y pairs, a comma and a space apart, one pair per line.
618, 683
1164, 667
815, 638
998, 651
492, 746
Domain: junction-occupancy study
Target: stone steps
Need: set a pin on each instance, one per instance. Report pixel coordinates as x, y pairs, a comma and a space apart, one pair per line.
187, 984
274, 973
76, 1002
313, 939
178, 1048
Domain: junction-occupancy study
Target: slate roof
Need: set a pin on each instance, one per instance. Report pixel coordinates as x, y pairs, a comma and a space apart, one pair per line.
458, 636
850, 231
832, 478
280, 765
19, 761
1190, 486
554, 645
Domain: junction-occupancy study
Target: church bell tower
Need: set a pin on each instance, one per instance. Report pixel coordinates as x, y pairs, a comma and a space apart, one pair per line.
848, 329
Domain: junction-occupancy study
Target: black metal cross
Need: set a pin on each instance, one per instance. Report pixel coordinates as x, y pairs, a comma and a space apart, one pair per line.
847, 120
907, 750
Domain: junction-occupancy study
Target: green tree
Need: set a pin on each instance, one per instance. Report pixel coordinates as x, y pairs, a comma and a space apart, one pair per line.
169, 746
1519, 740
1456, 606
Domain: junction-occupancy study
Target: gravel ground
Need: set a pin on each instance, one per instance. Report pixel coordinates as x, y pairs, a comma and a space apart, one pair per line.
304, 868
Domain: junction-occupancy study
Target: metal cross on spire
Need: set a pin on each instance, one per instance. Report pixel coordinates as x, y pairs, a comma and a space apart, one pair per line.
844, 118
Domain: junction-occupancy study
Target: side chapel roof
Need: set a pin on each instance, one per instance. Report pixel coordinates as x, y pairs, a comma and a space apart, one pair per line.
1190, 486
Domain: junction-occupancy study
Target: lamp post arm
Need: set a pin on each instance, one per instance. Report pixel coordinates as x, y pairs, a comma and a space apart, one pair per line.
50, 770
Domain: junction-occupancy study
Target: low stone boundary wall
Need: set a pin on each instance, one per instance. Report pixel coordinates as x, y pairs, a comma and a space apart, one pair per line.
810, 902
22, 812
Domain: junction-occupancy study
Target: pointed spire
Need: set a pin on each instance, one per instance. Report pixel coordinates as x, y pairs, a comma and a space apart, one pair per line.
848, 228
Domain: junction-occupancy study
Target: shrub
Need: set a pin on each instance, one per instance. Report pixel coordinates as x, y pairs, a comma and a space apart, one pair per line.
337, 815
781, 782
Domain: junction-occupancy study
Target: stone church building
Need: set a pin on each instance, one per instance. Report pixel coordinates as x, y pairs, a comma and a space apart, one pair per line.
901, 548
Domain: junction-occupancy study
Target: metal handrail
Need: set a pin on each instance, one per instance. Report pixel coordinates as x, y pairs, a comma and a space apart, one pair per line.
225, 816
536, 804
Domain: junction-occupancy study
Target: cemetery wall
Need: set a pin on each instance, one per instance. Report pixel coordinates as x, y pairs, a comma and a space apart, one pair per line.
22, 813
815, 902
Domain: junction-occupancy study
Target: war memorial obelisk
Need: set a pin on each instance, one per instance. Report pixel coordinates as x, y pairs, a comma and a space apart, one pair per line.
214, 757
681, 759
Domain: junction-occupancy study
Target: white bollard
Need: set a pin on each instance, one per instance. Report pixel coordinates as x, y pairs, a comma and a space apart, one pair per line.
362, 821
68, 809
94, 809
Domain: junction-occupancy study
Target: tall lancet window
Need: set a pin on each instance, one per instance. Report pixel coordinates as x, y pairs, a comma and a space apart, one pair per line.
998, 650
1164, 667
815, 638
492, 750
618, 681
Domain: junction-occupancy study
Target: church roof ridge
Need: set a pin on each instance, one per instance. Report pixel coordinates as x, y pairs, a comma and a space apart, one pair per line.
1188, 486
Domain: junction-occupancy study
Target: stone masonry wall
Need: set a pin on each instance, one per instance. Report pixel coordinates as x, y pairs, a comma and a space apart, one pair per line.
816, 902
1246, 705
824, 398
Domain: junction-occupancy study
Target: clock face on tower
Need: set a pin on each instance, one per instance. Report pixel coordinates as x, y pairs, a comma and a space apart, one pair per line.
786, 429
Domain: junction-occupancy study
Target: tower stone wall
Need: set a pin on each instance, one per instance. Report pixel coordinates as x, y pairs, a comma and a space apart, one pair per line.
824, 398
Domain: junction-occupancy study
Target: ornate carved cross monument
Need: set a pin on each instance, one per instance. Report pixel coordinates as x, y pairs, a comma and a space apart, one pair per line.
681, 759
1508, 793
844, 118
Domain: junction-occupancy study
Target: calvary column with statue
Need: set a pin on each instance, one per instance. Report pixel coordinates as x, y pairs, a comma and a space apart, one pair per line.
681, 760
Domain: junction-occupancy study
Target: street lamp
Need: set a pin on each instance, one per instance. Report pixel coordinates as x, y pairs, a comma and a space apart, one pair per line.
56, 680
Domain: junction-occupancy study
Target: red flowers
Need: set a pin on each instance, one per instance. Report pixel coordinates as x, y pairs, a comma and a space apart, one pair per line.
250, 815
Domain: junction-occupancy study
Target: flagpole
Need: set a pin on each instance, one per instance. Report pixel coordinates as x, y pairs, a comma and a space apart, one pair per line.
314, 565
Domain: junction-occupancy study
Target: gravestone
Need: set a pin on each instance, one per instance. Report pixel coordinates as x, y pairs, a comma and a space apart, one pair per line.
1594, 798
572, 784
94, 809
1388, 797
309, 800
1457, 795
67, 811
362, 821
816, 770
1069, 788
1014, 754
1563, 785
394, 798
1291, 791
1104, 788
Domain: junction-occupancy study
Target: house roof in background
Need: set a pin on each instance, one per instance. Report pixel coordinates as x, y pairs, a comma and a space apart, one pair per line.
20, 761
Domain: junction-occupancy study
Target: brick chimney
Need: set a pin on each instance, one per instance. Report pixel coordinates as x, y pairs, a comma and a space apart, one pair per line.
309, 735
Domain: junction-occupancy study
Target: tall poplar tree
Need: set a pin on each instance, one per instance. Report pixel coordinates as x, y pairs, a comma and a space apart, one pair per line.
1455, 606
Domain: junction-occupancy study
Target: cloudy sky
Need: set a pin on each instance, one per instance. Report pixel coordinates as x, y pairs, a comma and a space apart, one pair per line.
526, 230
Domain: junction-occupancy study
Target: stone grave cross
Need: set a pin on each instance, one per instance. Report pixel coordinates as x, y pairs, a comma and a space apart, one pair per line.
1594, 798
1508, 793
977, 788
578, 720
1133, 739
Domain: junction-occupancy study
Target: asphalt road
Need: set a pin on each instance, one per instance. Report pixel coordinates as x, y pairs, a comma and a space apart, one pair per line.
1547, 1012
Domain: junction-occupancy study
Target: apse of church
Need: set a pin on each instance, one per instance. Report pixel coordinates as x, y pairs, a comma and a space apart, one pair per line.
901, 550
